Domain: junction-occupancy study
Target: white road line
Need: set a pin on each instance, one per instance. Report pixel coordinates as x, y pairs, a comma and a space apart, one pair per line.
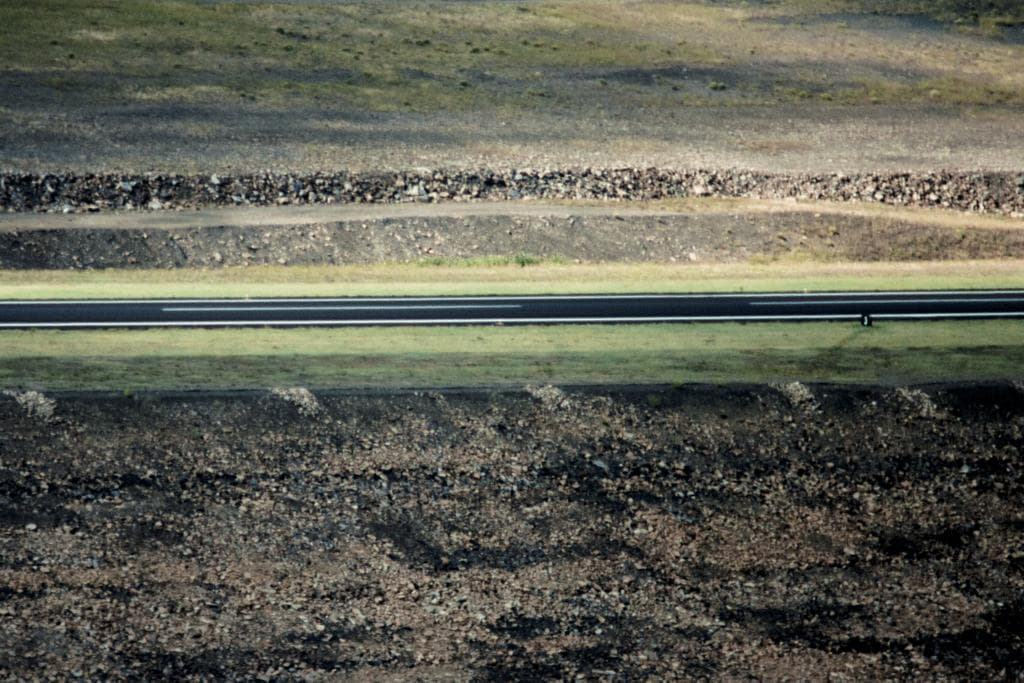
504, 321
708, 295
240, 309
851, 302
977, 314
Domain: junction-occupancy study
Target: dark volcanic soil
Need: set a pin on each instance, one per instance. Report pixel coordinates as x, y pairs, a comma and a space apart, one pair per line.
662, 238
851, 533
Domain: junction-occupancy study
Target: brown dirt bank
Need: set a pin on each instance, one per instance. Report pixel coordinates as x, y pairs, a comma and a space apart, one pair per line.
997, 192
714, 237
791, 532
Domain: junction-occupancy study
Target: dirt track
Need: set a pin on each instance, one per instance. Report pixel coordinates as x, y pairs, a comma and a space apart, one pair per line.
851, 533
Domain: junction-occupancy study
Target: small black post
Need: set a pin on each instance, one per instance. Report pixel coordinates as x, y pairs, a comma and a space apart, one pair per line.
865, 319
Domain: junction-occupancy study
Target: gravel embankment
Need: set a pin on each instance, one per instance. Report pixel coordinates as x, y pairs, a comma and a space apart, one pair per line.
682, 238
788, 533
981, 192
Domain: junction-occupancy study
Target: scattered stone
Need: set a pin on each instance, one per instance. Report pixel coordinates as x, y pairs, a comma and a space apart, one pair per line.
551, 396
920, 402
34, 404
301, 398
798, 395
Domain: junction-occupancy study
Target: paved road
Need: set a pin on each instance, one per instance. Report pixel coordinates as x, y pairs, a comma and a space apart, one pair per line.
512, 310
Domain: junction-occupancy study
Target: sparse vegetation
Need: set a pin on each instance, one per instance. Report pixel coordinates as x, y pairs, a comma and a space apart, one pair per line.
179, 51
960, 12
521, 260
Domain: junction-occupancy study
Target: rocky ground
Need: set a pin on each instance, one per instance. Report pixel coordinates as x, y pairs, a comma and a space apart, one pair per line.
682, 238
794, 532
618, 533
997, 192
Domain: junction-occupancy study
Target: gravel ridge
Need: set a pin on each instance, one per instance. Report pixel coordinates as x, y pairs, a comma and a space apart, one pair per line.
986, 192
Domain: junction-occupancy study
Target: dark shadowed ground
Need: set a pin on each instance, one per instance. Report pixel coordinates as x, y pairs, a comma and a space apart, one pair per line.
791, 532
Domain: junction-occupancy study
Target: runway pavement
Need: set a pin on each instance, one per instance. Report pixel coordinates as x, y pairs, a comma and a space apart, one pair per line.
501, 310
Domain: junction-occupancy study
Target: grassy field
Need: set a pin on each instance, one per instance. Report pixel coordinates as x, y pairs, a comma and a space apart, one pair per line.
473, 356
482, 277
467, 55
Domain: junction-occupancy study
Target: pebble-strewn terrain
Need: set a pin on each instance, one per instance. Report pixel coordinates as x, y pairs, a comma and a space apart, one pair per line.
983, 192
788, 532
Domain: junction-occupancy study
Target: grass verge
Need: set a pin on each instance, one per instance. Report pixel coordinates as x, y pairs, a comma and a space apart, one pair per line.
537, 277
130, 360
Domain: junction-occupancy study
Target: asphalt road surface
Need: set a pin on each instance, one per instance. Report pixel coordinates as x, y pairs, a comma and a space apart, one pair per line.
494, 310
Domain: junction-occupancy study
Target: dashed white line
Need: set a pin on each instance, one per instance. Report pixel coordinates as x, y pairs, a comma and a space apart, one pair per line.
243, 309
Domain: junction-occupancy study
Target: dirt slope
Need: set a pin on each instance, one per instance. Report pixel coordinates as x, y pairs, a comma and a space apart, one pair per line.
671, 238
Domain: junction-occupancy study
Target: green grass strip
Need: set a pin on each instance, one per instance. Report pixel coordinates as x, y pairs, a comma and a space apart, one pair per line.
475, 356
497, 278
